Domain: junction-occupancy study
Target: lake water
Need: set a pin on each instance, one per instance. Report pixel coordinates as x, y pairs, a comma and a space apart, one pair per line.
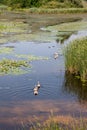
59, 92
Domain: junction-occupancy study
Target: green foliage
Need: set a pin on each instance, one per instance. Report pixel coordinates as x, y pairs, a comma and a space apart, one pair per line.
53, 124
39, 3
54, 11
2, 27
8, 66
76, 58
6, 50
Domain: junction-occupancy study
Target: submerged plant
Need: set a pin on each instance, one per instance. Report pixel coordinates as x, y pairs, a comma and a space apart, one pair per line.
76, 58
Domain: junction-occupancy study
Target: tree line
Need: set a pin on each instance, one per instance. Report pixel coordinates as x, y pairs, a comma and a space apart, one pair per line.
37, 3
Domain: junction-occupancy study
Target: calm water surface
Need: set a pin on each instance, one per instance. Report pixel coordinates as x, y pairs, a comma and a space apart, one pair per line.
59, 92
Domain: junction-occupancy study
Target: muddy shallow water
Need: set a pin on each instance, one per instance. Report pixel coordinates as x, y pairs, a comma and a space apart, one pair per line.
59, 92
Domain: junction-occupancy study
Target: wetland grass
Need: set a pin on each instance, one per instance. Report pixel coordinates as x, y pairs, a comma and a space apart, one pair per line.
61, 123
76, 58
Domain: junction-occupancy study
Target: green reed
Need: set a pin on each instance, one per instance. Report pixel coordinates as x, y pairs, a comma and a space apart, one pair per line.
76, 58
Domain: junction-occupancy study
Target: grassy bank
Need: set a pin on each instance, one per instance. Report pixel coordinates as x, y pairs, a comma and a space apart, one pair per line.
53, 11
61, 123
55, 126
43, 10
76, 58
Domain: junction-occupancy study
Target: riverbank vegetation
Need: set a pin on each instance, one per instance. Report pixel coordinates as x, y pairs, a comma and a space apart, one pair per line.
52, 11
45, 6
43, 3
60, 123
55, 126
76, 58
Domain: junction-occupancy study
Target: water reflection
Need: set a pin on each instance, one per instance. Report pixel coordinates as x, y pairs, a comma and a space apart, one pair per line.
75, 86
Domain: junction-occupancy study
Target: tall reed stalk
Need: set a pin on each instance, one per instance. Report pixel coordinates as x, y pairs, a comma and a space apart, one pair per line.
76, 58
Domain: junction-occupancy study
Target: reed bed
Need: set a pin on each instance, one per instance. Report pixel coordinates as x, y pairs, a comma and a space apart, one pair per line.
76, 58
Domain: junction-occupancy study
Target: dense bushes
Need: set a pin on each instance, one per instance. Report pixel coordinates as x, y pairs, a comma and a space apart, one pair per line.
40, 3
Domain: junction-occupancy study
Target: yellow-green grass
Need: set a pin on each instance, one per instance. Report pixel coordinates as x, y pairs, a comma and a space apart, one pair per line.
60, 123
76, 58
53, 11
12, 27
6, 50
70, 26
55, 126
2, 27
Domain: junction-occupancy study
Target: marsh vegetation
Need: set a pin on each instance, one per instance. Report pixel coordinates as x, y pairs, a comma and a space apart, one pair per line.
76, 58
28, 43
52, 124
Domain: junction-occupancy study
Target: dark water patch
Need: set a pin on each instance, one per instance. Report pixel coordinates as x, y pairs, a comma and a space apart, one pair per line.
75, 86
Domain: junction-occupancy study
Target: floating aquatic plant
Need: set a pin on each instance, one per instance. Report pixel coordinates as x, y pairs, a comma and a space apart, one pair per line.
70, 26
8, 66
6, 50
32, 57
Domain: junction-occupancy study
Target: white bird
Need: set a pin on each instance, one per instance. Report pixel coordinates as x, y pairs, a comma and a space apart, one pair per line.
38, 84
35, 88
35, 92
55, 55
